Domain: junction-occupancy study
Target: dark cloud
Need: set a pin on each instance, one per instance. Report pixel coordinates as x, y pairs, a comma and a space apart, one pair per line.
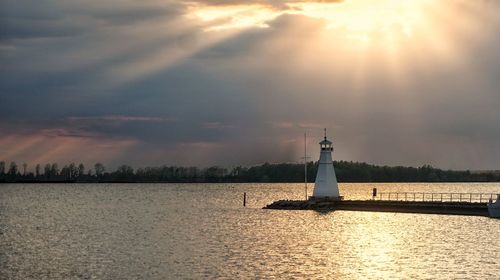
53, 18
149, 79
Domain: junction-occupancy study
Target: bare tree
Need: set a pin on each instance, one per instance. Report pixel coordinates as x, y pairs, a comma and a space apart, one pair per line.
81, 170
65, 172
99, 169
46, 170
13, 169
73, 172
54, 170
37, 170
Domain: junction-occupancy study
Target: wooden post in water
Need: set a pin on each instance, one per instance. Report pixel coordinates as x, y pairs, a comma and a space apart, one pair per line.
244, 199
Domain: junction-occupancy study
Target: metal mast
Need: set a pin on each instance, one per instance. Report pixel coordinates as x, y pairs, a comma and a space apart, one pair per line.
305, 163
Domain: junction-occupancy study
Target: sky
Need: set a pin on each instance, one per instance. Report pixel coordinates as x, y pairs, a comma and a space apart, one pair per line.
229, 82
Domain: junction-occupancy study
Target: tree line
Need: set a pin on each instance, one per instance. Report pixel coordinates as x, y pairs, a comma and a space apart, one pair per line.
347, 171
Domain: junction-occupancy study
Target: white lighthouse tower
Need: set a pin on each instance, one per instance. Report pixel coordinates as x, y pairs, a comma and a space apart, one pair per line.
325, 185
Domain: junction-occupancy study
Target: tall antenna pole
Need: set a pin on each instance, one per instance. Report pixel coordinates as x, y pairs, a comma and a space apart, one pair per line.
305, 162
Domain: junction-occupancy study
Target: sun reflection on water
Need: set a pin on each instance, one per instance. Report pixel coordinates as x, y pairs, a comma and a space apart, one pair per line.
200, 231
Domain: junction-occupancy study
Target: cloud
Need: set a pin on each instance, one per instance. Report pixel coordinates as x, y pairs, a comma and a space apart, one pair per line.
273, 3
148, 79
53, 18
216, 125
228, 15
67, 132
60, 147
119, 119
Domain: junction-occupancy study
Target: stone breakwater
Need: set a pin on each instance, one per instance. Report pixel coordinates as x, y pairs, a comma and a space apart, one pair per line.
323, 205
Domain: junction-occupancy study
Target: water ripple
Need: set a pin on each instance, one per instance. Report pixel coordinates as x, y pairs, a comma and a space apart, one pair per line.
193, 231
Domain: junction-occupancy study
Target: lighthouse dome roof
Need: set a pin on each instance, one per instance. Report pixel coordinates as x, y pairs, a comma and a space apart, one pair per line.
325, 142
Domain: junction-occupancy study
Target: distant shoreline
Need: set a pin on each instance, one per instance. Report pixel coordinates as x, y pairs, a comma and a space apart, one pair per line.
249, 182
346, 172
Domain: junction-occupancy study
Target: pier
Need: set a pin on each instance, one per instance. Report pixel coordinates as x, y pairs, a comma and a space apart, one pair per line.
471, 204
326, 196
435, 197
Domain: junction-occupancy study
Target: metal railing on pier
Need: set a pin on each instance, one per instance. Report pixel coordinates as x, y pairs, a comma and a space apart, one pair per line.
436, 197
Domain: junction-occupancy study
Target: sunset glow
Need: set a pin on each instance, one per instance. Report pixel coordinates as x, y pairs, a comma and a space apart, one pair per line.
263, 139
359, 19
229, 17
411, 75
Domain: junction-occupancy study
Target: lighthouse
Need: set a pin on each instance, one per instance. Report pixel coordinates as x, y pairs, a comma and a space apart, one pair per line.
325, 185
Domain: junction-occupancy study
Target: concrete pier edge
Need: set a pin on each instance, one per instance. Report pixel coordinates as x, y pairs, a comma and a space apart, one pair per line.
325, 205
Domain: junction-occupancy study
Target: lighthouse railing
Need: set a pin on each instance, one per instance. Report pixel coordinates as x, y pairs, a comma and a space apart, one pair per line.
437, 197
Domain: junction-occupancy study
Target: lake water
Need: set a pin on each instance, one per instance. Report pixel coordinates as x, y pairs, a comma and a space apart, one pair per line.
193, 231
